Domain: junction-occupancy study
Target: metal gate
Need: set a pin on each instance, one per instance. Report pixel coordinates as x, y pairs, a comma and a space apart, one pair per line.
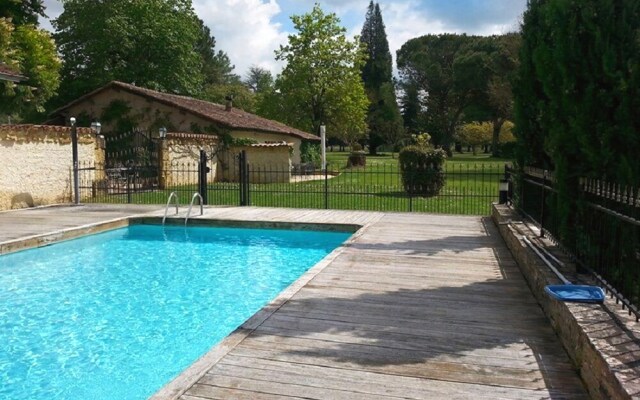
131, 162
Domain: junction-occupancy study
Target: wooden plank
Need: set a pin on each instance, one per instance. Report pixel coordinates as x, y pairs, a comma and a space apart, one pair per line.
204, 391
429, 299
367, 382
302, 390
453, 372
438, 340
402, 349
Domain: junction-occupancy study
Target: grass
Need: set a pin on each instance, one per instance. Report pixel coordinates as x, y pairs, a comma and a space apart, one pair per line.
471, 186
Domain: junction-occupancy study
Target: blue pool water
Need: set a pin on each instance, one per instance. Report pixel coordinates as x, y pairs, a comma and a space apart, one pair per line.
119, 314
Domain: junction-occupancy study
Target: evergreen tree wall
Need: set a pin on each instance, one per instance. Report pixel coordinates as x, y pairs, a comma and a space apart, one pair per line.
577, 92
383, 117
577, 97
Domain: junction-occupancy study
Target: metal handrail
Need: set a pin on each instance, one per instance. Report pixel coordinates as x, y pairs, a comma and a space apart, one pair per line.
195, 195
166, 209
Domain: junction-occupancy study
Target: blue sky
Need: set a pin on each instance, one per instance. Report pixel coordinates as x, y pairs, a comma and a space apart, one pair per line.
250, 30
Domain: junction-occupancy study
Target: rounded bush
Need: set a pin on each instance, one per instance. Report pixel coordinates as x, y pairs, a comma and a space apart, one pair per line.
421, 170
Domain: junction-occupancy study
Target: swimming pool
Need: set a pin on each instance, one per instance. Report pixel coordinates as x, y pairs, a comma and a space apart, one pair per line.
117, 315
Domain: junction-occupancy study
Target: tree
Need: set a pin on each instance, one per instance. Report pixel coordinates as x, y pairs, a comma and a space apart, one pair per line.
259, 80
383, 118
22, 12
451, 71
577, 96
451, 79
475, 134
574, 93
499, 92
321, 81
241, 96
411, 107
482, 133
151, 43
216, 66
32, 53
528, 92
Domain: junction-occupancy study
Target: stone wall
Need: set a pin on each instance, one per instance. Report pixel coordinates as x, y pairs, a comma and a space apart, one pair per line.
36, 164
268, 163
602, 340
179, 157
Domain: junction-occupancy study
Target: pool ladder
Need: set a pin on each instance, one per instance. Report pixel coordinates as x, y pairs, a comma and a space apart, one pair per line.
195, 196
173, 195
166, 209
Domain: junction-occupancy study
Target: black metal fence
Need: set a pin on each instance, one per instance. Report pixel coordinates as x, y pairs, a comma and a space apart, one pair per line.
469, 188
606, 223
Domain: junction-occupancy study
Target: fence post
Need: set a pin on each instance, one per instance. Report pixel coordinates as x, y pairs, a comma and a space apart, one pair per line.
544, 184
241, 176
74, 156
130, 172
326, 187
244, 179
202, 177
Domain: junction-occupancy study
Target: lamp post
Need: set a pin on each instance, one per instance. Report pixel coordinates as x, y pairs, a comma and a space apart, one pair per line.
504, 191
96, 127
74, 152
162, 133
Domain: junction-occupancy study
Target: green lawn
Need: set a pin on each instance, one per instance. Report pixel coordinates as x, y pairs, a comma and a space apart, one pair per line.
471, 186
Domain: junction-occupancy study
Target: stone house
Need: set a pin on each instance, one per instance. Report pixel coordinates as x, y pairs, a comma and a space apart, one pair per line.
120, 107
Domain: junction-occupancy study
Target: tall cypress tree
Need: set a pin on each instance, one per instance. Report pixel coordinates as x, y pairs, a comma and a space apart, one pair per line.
384, 119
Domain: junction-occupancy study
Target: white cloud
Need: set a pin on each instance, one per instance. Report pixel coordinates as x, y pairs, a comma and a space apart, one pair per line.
245, 30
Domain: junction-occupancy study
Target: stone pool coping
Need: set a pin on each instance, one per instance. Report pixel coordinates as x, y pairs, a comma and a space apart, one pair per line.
602, 340
46, 239
41, 240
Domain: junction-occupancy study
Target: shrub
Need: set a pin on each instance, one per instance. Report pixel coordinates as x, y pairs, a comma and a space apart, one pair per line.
310, 154
421, 170
357, 158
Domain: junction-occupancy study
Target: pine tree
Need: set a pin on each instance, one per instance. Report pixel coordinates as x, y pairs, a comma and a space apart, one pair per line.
384, 119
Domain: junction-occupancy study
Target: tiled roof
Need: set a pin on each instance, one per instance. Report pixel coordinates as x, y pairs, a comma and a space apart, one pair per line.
270, 144
9, 74
234, 118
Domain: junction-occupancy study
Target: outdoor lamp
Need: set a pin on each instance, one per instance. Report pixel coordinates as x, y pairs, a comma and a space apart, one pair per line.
162, 132
504, 191
96, 127
72, 121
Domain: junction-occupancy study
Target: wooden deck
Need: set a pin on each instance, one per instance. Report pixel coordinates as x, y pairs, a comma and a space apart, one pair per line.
17, 224
415, 307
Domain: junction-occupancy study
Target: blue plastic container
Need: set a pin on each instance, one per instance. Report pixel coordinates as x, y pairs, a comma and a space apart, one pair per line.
576, 293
